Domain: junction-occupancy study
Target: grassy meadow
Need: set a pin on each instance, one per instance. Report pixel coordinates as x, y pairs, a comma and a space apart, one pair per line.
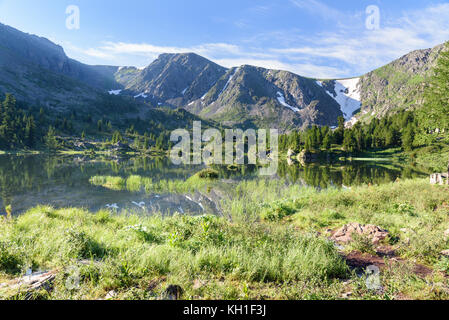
275, 248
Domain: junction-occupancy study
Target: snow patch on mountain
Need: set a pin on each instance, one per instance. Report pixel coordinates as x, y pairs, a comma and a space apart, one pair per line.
281, 99
143, 95
347, 96
115, 92
229, 81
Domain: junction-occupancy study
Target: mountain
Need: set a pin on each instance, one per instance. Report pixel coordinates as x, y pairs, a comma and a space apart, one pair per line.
245, 96
249, 96
396, 86
172, 79
39, 72
260, 97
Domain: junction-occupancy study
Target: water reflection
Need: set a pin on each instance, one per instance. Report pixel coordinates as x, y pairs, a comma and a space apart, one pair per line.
63, 181
347, 174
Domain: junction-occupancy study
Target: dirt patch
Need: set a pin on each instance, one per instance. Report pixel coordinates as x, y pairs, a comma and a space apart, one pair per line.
357, 260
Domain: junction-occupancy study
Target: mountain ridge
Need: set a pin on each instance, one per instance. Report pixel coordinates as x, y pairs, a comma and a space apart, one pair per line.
35, 69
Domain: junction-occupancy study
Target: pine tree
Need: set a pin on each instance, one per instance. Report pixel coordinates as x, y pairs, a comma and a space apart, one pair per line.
349, 141
50, 139
30, 132
327, 142
339, 133
116, 137
434, 116
408, 136
100, 125
146, 142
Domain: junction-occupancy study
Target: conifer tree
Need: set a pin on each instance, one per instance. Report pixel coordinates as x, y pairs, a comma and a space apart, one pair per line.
434, 116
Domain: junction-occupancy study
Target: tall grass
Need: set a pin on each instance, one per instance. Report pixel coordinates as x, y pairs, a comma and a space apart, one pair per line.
268, 240
130, 249
135, 183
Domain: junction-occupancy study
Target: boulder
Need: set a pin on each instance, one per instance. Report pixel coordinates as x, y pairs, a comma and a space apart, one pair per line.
439, 178
374, 233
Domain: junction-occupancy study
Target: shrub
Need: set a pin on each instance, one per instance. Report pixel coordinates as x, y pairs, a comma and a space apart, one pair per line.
276, 211
208, 174
10, 258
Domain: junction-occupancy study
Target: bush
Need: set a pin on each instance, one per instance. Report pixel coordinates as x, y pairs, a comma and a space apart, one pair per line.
10, 258
276, 211
208, 174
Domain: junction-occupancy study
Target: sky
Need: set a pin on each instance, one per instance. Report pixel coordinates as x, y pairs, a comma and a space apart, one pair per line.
314, 38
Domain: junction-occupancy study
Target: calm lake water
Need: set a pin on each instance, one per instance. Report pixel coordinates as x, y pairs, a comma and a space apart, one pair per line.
63, 181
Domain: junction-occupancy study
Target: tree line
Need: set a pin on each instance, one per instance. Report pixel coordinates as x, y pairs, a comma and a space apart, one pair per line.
17, 128
398, 130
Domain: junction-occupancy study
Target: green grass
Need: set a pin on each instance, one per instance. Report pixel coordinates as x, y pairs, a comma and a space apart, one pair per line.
134, 183
270, 244
434, 157
128, 251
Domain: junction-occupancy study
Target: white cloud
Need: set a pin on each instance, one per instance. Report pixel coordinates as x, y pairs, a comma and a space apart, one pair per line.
318, 8
348, 50
363, 50
151, 50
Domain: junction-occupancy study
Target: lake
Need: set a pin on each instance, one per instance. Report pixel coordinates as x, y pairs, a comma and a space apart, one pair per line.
66, 181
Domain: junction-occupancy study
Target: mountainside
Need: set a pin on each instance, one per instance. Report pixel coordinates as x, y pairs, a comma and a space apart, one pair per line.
43, 53
259, 97
40, 75
389, 89
38, 71
245, 96
398, 85
172, 79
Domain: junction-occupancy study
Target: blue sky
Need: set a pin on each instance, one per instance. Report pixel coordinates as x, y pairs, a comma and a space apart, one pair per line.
316, 38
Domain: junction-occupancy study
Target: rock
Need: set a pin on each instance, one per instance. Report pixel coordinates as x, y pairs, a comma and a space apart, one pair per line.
173, 292
111, 295
439, 178
445, 253
375, 233
121, 147
30, 283
79, 145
